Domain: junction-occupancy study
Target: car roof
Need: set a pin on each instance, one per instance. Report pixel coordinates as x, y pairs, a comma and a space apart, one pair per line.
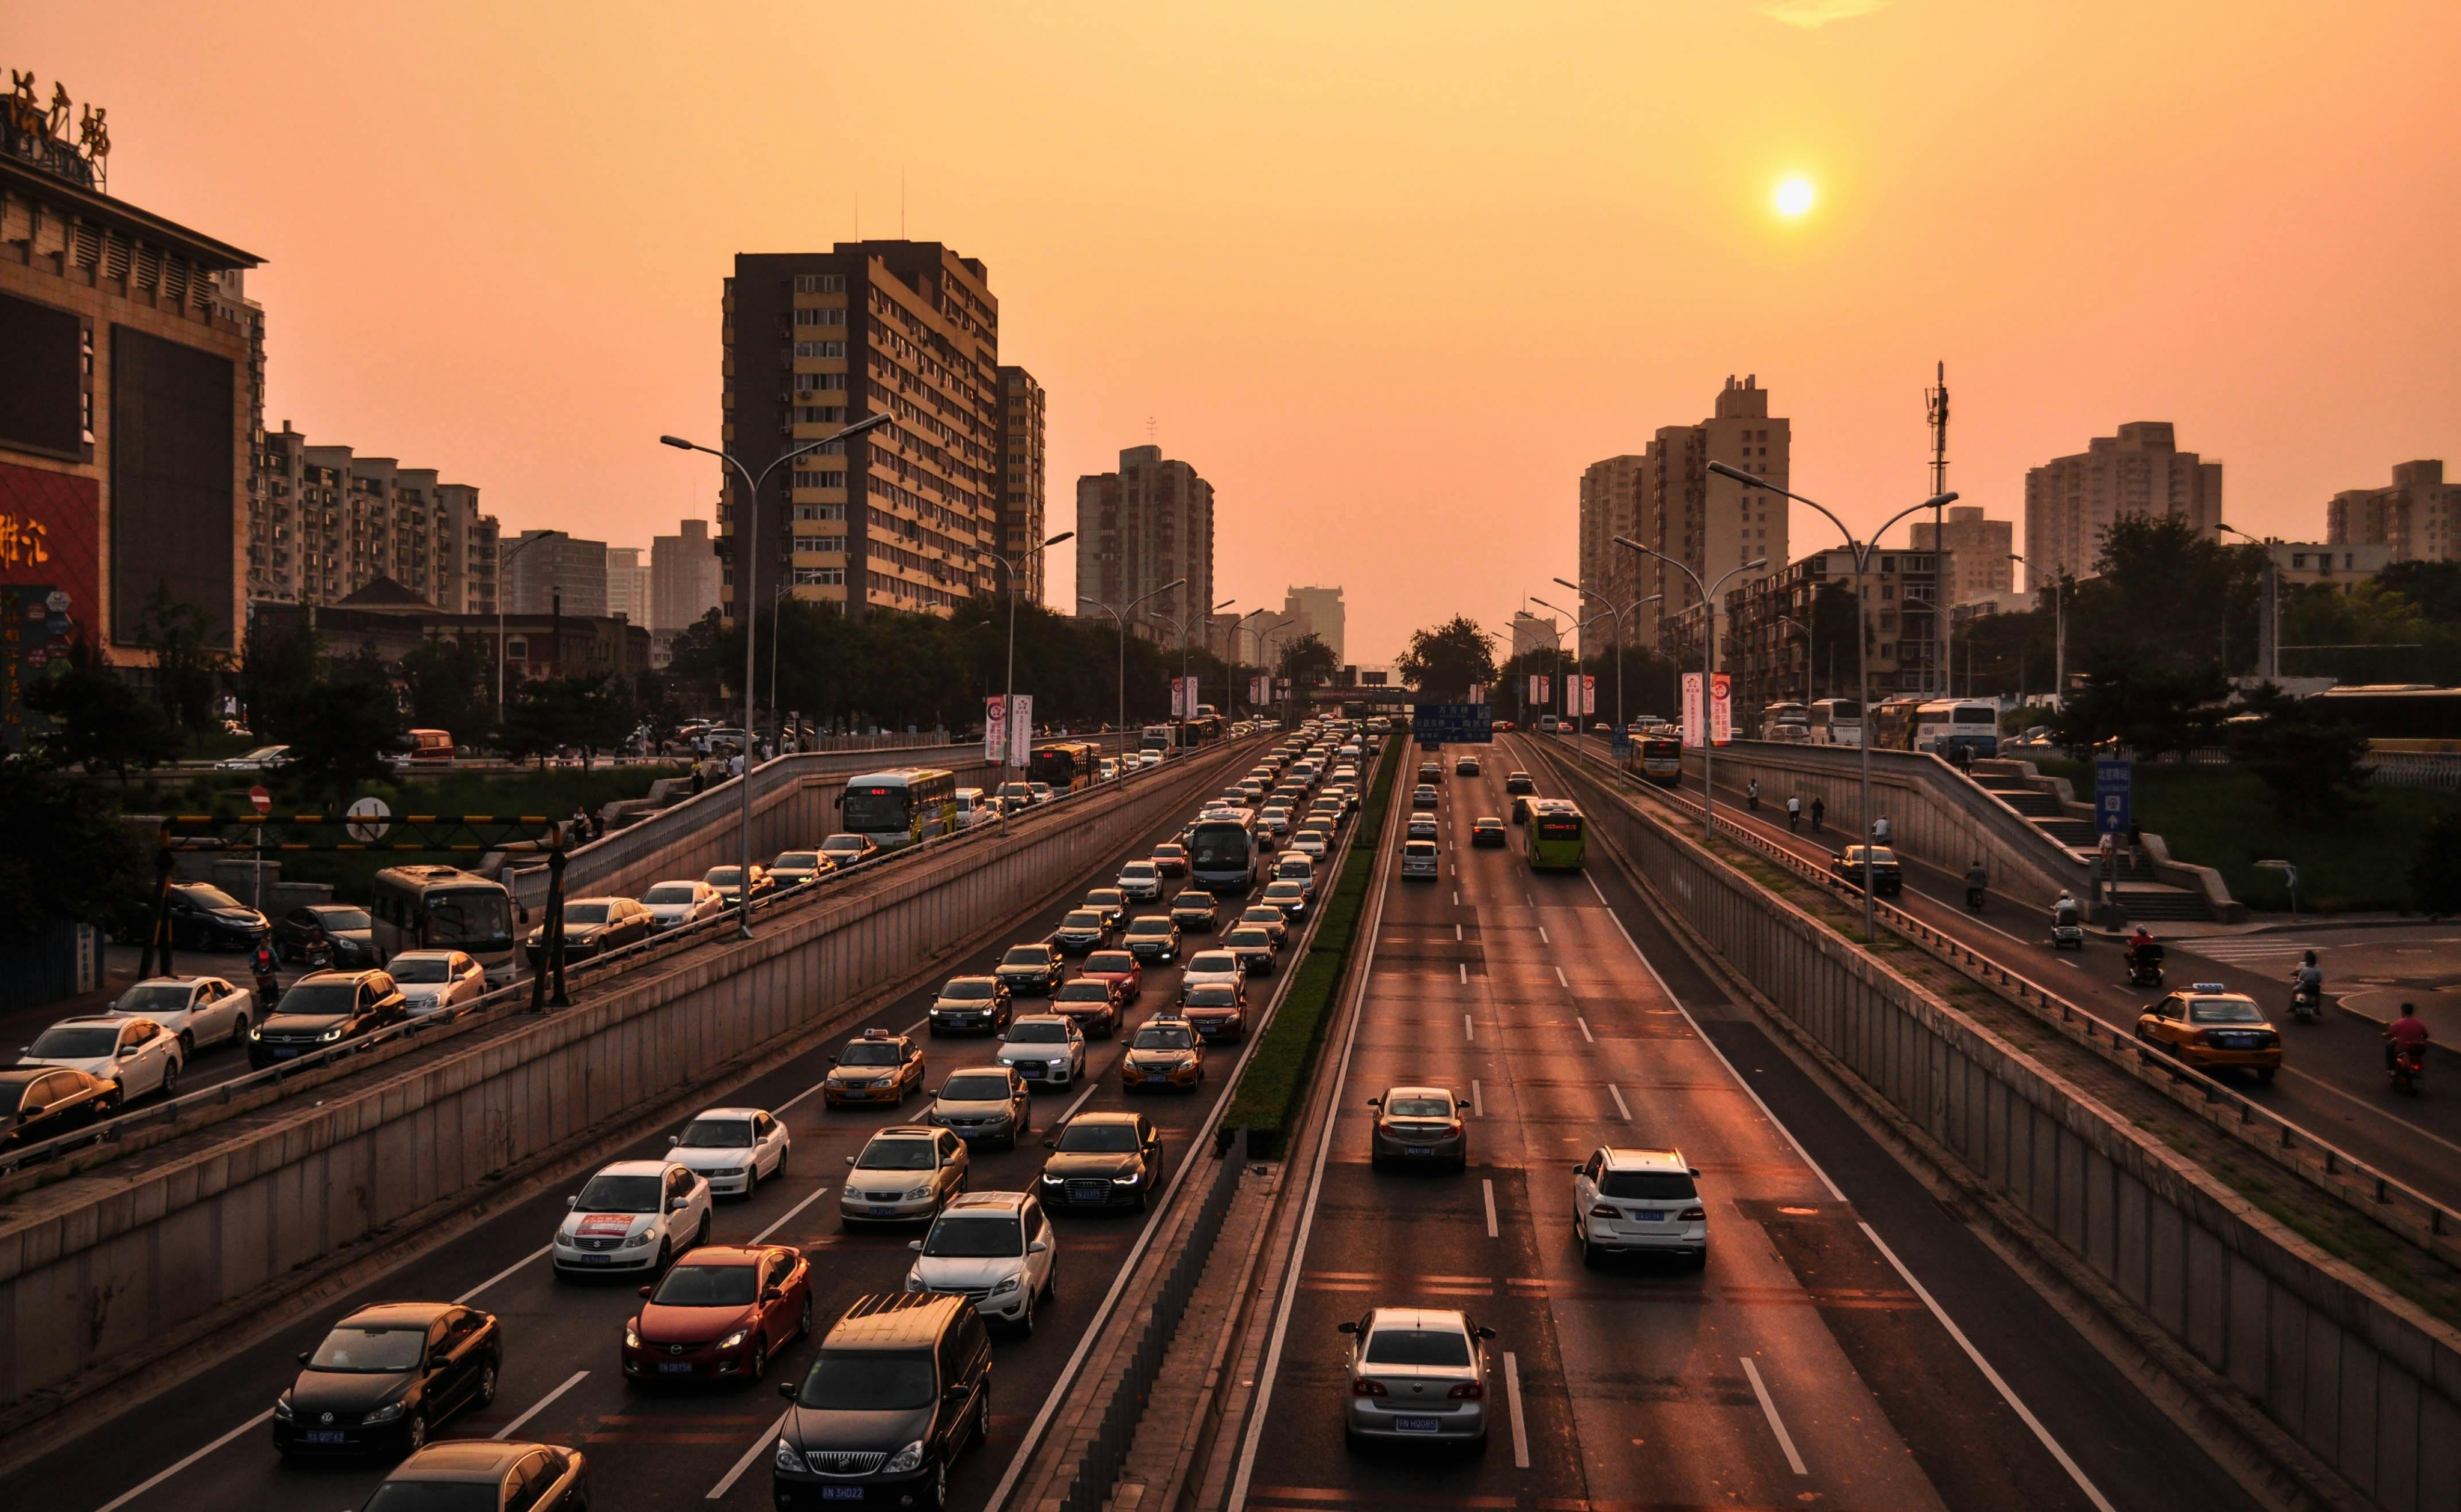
395, 1315
997, 1201
479, 1459
1631, 1158
634, 1167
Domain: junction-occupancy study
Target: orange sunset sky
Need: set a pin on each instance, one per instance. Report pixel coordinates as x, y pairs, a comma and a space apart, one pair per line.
1388, 274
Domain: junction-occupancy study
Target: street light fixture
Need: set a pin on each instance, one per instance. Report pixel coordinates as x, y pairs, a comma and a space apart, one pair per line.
1008, 570
1120, 617
1862, 551
1708, 670
748, 566
504, 559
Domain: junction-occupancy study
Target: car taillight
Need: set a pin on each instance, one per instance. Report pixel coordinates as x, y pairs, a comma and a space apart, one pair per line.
1602, 1211
1467, 1392
1363, 1387
1693, 1215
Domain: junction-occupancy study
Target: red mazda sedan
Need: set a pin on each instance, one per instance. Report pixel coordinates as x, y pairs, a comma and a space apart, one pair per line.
718, 1314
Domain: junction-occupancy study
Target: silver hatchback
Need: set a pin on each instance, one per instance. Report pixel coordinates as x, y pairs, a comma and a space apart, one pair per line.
1417, 1373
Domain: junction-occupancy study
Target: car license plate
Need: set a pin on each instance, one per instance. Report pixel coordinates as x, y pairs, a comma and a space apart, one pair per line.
674, 1366
881, 1212
1415, 1425
840, 1493
324, 1436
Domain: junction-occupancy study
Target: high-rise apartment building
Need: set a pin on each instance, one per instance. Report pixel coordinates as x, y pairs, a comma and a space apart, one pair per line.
1977, 564
559, 574
1611, 506
1025, 487
683, 578
628, 585
817, 340
1143, 526
1320, 614
2417, 517
2071, 502
333, 521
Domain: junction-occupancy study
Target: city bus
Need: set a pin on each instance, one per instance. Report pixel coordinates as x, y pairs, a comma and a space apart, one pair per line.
1067, 765
1945, 725
1555, 836
1837, 722
443, 908
1222, 851
896, 808
1659, 759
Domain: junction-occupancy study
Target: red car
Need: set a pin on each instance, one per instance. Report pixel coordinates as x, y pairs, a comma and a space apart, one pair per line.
1170, 858
1121, 969
719, 1314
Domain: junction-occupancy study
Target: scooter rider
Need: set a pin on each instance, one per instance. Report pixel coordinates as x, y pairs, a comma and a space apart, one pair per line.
1977, 877
2406, 1033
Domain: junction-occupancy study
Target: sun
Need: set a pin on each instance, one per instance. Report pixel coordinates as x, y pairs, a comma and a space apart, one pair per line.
1794, 198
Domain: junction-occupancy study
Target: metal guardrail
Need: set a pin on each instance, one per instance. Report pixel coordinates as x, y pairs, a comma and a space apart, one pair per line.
504, 1002
2401, 1209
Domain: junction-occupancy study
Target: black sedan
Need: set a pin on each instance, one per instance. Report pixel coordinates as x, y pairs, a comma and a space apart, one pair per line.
1888, 876
1102, 1159
594, 926
325, 1009
336, 928
41, 1102
1031, 971
387, 1377
206, 918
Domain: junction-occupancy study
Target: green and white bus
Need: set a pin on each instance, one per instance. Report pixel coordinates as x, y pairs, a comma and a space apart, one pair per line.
1555, 837
896, 808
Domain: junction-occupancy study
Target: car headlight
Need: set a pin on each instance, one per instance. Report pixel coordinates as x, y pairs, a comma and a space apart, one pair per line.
787, 1459
735, 1338
910, 1457
387, 1413
1005, 1287
282, 1409
632, 1334
640, 1238
918, 1194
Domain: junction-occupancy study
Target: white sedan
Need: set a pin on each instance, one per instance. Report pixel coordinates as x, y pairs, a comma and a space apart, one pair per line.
200, 1009
139, 1053
735, 1149
674, 904
434, 981
634, 1215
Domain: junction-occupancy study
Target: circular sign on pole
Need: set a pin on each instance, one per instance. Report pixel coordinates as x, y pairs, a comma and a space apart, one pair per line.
263, 800
368, 817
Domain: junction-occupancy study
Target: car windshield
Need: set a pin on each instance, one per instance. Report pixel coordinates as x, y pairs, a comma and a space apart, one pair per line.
1410, 1105
1150, 927
1162, 1036
1664, 1186
320, 999
1081, 990
868, 1053
620, 1194
1081, 919
971, 988
895, 1155
74, 1044
1098, 1139
797, 861
1038, 1035
672, 892
869, 1381
585, 913
1107, 961
329, 918
968, 1237
708, 1287
370, 1351
1027, 955
2223, 1010
717, 1134
153, 997
976, 1088
433, 1496
1418, 1347
205, 896
1214, 994
420, 969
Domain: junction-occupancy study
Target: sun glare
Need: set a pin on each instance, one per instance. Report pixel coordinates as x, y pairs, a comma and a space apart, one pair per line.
1793, 198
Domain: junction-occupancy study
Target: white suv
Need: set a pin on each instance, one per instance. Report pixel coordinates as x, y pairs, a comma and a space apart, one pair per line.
993, 1249
634, 1215
1630, 1202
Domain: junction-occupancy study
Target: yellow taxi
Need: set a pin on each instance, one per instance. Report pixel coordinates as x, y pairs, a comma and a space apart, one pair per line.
1165, 1054
2213, 1029
875, 1067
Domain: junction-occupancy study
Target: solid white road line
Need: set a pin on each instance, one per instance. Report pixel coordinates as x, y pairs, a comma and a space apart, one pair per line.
1585, 1029
1512, 1404
1768, 1409
760, 1446
144, 1486
1487, 1184
1617, 1094
500, 1275
537, 1407
1477, 1108
818, 1192
2006, 1393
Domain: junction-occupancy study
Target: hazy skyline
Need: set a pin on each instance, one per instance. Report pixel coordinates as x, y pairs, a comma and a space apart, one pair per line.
1388, 275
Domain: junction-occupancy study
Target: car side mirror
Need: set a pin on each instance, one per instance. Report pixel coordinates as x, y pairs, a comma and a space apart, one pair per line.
786, 1388
915, 1244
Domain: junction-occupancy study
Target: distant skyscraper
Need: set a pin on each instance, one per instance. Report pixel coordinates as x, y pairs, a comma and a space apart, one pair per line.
1320, 614
2417, 517
563, 575
683, 578
627, 583
1977, 552
1024, 478
1143, 526
2071, 500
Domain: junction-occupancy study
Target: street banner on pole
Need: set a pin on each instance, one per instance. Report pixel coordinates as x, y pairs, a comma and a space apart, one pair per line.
995, 728
1021, 732
1693, 724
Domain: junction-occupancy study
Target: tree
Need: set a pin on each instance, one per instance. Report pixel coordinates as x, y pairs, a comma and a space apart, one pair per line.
340, 734
188, 666
2308, 759
2435, 872
65, 854
1445, 662
1307, 661
103, 723
450, 686
277, 676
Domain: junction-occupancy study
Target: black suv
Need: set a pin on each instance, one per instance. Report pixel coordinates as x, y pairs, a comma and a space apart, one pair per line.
324, 1008
900, 1388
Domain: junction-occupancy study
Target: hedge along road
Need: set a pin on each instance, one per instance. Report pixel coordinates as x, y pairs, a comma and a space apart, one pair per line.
205, 1445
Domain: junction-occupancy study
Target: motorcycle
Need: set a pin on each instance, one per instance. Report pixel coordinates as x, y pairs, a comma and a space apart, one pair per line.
2408, 1067
2144, 966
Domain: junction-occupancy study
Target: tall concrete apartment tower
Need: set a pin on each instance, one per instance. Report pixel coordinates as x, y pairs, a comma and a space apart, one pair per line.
1319, 612
817, 340
2071, 500
2419, 517
1611, 506
1977, 564
1139, 528
1025, 488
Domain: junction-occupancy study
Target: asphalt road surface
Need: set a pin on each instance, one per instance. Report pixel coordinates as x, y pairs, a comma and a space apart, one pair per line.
1832, 1353
205, 1446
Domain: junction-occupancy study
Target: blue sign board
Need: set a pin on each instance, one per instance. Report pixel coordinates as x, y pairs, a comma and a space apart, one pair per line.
2113, 796
1465, 724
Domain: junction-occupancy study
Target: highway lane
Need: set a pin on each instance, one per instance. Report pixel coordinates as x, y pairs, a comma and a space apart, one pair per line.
561, 1378
1800, 1368
2332, 1082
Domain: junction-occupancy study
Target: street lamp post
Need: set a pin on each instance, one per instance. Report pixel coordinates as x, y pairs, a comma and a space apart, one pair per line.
1709, 669
1120, 617
748, 570
1862, 551
504, 559
1008, 570
2059, 634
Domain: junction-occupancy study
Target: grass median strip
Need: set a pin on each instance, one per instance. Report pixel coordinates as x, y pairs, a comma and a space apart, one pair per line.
1268, 1097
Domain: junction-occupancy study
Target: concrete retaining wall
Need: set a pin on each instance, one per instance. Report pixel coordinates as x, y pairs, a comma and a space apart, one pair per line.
97, 1273
2349, 1370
